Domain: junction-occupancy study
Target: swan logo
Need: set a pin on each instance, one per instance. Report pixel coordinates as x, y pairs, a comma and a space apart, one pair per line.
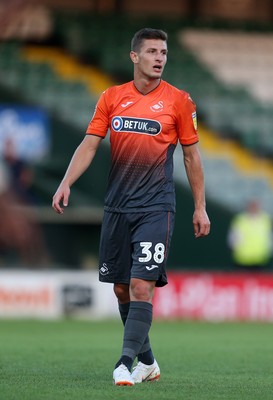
104, 269
157, 107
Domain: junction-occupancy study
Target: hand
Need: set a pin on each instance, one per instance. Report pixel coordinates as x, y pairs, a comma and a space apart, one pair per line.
61, 196
201, 223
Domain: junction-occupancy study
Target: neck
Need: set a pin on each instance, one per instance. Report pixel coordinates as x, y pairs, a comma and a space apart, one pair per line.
145, 86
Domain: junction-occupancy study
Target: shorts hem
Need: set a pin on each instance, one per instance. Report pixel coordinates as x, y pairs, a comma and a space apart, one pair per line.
158, 282
103, 280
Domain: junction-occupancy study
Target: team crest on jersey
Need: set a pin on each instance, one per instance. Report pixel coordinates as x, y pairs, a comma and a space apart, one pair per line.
136, 125
157, 107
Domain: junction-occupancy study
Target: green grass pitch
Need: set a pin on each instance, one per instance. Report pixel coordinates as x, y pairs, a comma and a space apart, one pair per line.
74, 360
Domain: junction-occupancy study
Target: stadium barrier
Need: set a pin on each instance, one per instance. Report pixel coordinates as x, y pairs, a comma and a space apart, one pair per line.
216, 297
54, 294
207, 296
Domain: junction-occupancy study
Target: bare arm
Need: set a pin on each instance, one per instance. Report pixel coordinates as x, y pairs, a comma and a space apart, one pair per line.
194, 170
80, 161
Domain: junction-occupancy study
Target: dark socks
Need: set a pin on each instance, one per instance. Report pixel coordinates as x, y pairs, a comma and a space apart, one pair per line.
136, 331
146, 358
127, 361
123, 310
146, 355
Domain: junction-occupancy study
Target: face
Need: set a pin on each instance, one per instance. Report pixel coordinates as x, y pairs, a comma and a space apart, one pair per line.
151, 59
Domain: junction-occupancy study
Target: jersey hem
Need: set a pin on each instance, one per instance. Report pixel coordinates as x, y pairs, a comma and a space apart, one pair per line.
95, 134
190, 143
138, 209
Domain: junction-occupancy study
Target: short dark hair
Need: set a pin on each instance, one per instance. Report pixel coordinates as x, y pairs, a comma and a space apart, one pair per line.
147, 33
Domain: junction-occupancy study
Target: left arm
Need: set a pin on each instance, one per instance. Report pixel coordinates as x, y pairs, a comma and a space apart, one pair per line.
194, 170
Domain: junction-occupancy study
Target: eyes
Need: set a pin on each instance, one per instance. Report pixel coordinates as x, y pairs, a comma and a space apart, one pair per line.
153, 51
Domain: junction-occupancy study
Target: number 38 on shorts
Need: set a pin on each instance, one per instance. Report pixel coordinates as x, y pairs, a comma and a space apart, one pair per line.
156, 253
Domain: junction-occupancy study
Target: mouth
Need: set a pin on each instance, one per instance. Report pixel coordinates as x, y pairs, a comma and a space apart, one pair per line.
157, 68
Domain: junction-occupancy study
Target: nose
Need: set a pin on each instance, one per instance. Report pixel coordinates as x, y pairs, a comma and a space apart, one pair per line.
159, 57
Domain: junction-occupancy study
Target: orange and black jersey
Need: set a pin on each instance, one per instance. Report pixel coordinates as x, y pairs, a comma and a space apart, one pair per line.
144, 131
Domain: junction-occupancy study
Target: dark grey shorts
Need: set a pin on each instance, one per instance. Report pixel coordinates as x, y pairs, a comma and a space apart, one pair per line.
135, 246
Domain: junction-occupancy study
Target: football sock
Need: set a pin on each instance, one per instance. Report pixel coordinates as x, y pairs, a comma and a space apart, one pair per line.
127, 361
145, 355
146, 358
123, 310
136, 329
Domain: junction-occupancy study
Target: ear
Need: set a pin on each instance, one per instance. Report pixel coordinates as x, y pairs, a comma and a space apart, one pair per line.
134, 57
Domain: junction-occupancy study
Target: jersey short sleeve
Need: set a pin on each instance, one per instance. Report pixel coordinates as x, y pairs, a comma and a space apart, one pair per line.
100, 121
186, 119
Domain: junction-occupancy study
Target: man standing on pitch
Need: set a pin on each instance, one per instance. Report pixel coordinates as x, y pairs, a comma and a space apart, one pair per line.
146, 117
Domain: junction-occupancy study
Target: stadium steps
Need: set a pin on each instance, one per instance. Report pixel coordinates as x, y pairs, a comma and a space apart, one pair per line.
233, 175
237, 97
42, 77
53, 79
228, 185
242, 159
78, 86
68, 68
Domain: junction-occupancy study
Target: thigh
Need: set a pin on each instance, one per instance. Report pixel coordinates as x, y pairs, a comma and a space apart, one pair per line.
115, 249
151, 239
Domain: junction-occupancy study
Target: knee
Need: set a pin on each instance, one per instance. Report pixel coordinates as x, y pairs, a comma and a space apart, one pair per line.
122, 292
141, 290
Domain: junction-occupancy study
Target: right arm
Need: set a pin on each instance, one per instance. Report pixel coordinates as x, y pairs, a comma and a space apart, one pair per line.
79, 163
194, 170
